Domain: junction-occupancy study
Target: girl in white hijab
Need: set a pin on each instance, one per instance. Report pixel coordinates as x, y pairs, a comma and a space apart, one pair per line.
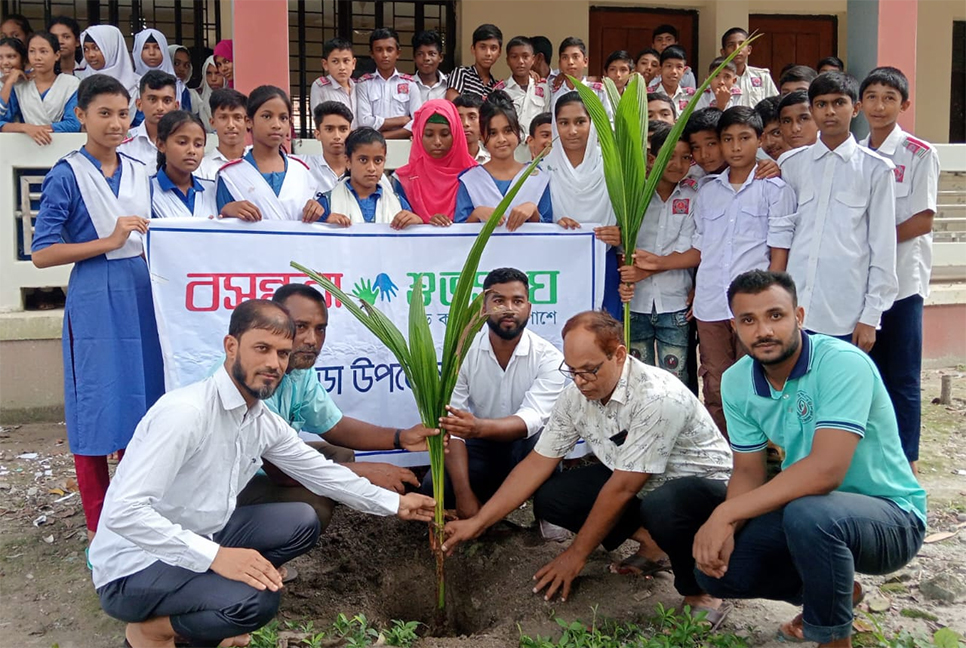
209, 75
105, 52
190, 100
578, 190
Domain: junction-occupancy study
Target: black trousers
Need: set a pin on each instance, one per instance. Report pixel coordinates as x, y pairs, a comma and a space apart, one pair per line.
207, 608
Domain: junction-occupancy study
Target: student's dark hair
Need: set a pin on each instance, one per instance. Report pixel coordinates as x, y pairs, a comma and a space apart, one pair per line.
519, 41
543, 119
620, 55
155, 80
718, 61
572, 41
572, 97
75, 29
505, 275
383, 33
19, 47
673, 52
54, 43
227, 99
740, 115
731, 32
647, 50
834, 83
21, 21
793, 99
797, 73
331, 108
260, 314
264, 93
542, 45
302, 290
96, 85
702, 120
487, 31
660, 96
428, 37
334, 45
657, 135
468, 100
888, 76
755, 282
767, 110
362, 137
609, 333
498, 103
664, 29
171, 124
831, 60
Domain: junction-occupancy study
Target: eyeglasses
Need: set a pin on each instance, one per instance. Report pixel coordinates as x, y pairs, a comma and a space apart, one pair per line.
589, 375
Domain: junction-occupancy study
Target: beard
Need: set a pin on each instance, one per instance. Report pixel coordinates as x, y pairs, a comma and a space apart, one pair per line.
263, 393
496, 325
788, 349
303, 358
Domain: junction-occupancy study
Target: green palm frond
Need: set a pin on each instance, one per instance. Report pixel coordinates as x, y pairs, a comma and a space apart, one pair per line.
623, 149
431, 384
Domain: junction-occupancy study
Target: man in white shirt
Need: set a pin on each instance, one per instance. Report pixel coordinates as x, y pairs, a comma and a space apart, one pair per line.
388, 99
898, 355
158, 97
755, 83
427, 55
643, 425
503, 396
173, 556
228, 118
840, 243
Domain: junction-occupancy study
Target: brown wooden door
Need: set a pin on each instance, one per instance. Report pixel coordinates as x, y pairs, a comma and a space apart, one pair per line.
619, 28
795, 40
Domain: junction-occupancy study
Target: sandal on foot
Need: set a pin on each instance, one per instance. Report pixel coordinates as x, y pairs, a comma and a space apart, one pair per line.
288, 574
639, 565
712, 617
786, 630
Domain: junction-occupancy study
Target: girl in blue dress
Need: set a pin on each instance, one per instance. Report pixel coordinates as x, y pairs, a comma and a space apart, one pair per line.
94, 210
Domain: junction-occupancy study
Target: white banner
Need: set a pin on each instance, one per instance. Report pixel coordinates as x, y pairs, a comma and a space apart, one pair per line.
202, 269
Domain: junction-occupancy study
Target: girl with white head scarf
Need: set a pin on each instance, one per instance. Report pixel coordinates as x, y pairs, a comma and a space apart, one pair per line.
578, 189
205, 90
190, 100
106, 53
141, 66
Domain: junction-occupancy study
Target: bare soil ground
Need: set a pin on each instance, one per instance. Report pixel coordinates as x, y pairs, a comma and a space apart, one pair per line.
383, 568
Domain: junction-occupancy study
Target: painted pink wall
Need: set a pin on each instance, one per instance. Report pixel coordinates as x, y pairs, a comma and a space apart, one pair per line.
897, 47
260, 34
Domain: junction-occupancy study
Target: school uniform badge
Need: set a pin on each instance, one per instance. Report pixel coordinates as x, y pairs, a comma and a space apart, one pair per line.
403, 88
680, 206
900, 172
756, 82
538, 91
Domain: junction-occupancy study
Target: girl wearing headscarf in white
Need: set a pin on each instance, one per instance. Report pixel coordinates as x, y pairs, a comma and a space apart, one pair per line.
578, 187
205, 90
105, 52
190, 100
141, 66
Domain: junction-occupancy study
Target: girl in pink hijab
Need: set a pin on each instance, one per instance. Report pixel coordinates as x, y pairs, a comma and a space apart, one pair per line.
437, 157
224, 59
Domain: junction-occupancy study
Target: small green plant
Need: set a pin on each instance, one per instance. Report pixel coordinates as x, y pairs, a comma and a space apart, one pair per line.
401, 633
878, 638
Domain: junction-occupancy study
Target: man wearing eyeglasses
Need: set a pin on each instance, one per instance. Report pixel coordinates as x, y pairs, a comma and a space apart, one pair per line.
506, 388
643, 425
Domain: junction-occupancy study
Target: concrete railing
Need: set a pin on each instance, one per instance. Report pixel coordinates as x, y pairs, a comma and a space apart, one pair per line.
23, 165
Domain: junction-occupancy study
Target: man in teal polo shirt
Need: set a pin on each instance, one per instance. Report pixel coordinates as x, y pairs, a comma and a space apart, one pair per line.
846, 500
303, 402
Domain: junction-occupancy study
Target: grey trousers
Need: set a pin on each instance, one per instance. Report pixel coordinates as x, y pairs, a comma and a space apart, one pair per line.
207, 608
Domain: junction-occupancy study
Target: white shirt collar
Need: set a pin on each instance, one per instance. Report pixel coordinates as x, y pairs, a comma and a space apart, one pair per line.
231, 398
521, 349
843, 150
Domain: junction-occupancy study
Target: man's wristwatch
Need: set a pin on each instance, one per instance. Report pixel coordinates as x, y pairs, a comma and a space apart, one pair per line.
395, 439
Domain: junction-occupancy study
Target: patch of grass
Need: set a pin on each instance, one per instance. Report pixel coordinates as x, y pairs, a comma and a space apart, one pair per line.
894, 588
356, 632
877, 637
913, 613
669, 628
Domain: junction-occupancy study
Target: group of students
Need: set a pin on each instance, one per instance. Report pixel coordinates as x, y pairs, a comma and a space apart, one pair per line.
40, 72
779, 186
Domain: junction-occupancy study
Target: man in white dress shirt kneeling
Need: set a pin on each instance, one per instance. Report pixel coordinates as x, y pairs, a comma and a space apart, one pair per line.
504, 393
173, 556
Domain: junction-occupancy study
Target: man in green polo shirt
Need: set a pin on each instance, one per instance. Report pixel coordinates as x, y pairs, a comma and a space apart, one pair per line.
846, 500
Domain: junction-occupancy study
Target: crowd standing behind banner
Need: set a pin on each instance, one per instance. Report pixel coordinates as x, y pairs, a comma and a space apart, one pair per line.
763, 179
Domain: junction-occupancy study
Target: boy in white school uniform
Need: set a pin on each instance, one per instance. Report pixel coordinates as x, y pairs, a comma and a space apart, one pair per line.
332, 127
840, 243
229, 119
530, 97
573, 63
722, 93
339, 63
158, 97
673, 66
884, 95
755, 83
427, 55
388, 99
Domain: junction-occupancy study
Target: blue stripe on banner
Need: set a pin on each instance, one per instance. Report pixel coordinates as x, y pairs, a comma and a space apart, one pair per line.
841, 425
344, 234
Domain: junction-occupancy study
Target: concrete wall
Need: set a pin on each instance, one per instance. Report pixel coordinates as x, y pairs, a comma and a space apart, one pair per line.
934, 64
